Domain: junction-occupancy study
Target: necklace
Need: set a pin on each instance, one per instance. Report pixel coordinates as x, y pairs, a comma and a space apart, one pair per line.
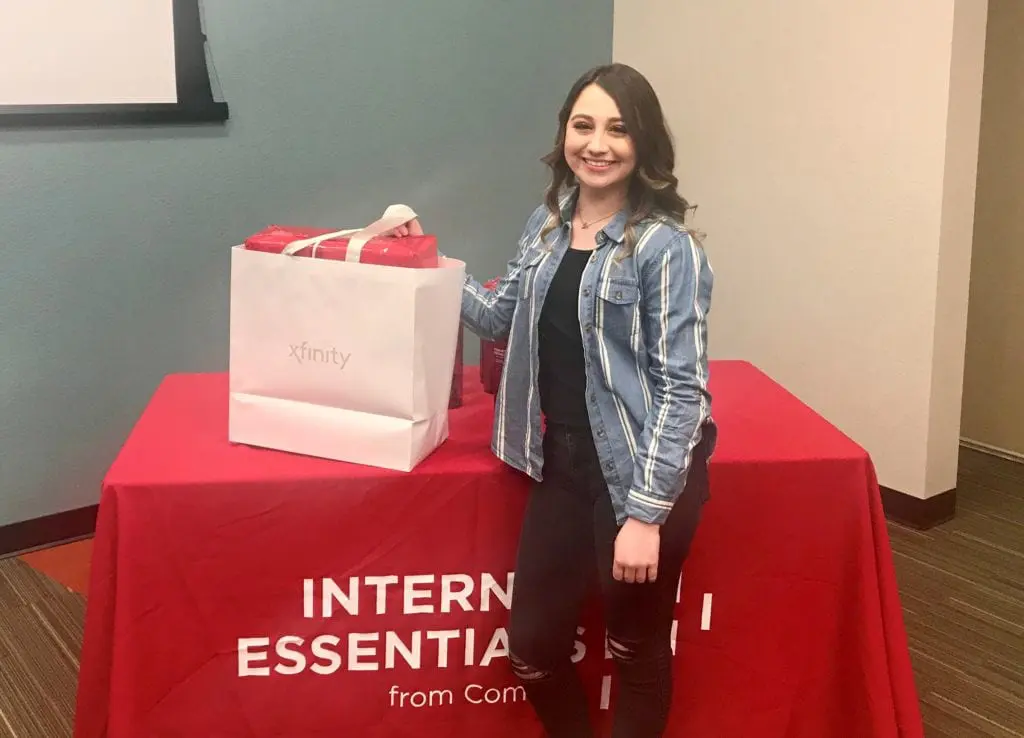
584, 224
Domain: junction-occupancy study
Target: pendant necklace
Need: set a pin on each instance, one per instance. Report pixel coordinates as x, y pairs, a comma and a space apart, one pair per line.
584, 224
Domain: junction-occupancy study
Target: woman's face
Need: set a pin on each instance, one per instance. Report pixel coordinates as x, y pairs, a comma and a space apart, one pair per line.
598, 149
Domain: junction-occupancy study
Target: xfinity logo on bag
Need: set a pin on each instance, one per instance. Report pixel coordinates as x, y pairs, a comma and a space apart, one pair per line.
303, 352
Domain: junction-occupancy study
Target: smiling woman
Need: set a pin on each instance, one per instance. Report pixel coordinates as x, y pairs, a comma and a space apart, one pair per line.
614, 146
104, 62
603, 400
598, 149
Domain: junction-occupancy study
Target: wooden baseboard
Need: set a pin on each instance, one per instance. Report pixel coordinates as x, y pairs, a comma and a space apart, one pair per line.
987, 448
62, 527
918, 513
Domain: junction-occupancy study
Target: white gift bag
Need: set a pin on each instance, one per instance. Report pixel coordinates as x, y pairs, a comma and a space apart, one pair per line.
339, 359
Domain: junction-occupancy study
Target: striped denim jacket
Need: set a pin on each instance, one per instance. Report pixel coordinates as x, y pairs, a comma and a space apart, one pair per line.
644, 322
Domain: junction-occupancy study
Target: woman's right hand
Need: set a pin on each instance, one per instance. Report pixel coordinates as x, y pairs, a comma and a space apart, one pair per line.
412, 228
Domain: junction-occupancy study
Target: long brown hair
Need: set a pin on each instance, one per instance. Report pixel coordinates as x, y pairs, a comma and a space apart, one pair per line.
652, 186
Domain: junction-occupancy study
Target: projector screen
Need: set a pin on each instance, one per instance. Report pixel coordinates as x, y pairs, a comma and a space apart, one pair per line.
104, 62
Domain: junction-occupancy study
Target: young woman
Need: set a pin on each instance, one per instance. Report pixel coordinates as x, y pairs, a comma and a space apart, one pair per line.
604, 401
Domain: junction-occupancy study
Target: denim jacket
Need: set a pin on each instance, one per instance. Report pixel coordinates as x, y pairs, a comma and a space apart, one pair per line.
644, 322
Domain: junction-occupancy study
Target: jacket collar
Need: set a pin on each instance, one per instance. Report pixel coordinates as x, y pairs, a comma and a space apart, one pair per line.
614, 229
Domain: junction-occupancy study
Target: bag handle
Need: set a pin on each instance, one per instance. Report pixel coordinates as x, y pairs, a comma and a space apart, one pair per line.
393, 217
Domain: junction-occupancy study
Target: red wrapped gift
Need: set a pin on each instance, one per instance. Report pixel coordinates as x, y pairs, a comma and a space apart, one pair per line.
363, 245
411, 251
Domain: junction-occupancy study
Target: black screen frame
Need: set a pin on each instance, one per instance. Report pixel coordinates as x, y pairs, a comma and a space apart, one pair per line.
196, 103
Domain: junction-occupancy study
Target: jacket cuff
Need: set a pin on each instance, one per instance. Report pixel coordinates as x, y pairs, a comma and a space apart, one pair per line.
647, 508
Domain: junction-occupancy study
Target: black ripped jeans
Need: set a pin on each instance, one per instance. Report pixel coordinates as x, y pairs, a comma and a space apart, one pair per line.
567, 545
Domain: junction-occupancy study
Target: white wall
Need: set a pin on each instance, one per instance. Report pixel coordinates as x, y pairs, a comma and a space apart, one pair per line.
832, 154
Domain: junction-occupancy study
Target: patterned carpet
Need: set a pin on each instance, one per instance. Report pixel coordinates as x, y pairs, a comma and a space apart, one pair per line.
40, 639
962, 587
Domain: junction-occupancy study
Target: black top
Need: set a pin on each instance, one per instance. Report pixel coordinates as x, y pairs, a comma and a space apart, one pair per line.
562, 376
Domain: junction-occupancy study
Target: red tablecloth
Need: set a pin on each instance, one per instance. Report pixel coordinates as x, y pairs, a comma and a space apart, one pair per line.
205, 614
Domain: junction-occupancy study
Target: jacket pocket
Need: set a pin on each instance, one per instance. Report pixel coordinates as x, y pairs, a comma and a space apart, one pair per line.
618, 308
528, 274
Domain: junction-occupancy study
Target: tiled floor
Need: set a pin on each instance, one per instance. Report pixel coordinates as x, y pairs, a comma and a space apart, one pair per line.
962, 587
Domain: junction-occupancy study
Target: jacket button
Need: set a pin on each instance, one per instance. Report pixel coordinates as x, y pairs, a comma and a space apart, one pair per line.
586, 292
600, 433
618, 294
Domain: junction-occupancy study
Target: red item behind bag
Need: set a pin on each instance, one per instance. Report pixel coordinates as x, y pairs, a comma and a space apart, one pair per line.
492, 363
418, 252
492, 356
458, 371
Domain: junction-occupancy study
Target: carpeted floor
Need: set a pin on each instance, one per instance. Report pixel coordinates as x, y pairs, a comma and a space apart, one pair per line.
40, 639
962, 587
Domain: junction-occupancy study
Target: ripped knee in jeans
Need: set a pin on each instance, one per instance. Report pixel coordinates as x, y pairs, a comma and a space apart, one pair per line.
624, 651
525, 672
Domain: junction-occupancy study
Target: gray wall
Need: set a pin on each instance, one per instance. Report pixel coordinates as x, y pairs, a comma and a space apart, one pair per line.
114, 243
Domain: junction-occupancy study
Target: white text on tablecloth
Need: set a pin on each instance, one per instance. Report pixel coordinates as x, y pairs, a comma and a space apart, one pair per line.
405, 599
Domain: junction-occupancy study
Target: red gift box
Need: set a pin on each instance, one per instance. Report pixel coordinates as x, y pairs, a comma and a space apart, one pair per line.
418, 252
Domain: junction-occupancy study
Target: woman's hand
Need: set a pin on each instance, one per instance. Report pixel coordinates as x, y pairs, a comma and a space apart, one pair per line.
412, 228
636, 552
